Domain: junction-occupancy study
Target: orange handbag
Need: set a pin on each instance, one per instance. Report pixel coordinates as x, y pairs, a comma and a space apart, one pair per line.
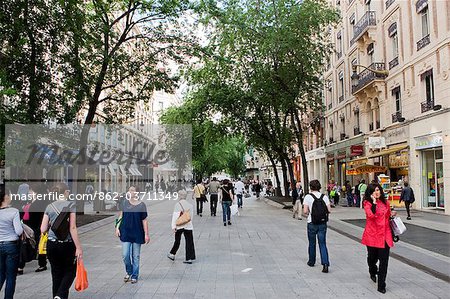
81, 281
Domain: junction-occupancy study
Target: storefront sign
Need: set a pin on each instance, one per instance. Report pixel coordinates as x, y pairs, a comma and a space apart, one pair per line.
396, 135
377, 142
429, 142
399, 160
356, 150
366, 169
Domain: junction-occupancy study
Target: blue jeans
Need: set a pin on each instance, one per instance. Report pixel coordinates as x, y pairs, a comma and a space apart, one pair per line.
319, 230
131, 253
350, 200
239, 199
226, 212
9, 262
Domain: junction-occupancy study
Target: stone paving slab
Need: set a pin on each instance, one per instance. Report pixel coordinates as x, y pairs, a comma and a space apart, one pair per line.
262, 255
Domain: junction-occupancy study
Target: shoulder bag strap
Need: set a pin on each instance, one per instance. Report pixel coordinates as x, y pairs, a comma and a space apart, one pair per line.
181, 206
55, 209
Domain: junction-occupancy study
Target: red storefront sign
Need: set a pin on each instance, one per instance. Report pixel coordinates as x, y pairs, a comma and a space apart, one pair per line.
356, 150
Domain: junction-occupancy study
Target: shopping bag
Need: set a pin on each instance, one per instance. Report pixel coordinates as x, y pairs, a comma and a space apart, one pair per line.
42, 248
397, 226
234, 210
81, 280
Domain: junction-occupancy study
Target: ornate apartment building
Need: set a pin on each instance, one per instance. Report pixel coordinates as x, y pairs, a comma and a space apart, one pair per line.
386, 98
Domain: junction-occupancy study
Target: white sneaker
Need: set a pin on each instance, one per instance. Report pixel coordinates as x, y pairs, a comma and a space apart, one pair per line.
171, 256
127, 278
57, 297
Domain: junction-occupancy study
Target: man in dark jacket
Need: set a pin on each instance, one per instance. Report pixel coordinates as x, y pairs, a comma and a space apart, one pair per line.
408, 197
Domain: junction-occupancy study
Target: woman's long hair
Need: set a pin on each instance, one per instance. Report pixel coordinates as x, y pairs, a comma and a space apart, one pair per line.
371, 189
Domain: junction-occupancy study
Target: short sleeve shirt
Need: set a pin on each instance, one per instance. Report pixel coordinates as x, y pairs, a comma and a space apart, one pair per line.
131, 227
52, 215
309, 200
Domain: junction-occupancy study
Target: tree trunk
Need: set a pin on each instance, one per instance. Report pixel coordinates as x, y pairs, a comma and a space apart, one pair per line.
277, 178
299, 134
285, 177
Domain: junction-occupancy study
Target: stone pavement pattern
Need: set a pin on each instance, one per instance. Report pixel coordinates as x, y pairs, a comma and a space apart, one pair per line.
262, 255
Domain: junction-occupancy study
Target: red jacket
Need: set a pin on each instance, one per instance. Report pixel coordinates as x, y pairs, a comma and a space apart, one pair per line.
377, 231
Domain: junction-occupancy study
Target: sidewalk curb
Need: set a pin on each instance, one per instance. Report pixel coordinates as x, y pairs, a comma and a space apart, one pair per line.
422, 259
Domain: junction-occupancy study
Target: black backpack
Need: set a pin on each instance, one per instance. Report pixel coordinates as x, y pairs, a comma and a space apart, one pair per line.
61, 226
319, 210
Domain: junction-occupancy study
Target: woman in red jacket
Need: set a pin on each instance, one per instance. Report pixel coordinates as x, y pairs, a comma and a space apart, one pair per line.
377, 234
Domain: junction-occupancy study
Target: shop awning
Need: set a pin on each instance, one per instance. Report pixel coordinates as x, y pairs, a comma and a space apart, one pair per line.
134, 170
357, 160
366, 168
111, 169
122, 170
388, 151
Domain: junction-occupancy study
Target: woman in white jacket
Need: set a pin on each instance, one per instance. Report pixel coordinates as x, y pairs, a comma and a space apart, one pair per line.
183, 206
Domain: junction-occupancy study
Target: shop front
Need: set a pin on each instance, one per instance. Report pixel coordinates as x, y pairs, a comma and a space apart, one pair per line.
317, 167
395, 162
432, 166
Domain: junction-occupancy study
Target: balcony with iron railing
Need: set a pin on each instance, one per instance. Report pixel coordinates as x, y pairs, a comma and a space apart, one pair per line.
396, 117
393, 63
423, 42
356, 130
367, 76
427, 106
368, 19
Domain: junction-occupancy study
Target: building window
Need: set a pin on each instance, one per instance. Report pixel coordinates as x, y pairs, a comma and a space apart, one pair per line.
398, 100
370, 51
341, 87
424, 17
395, 45
429, 87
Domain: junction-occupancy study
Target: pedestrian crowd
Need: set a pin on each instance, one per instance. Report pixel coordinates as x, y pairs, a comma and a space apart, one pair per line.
48, 231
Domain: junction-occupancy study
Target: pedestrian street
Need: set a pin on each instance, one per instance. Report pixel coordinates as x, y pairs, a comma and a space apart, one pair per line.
263, 254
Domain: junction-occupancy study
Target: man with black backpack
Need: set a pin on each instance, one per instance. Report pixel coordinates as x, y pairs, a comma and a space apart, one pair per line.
317, 207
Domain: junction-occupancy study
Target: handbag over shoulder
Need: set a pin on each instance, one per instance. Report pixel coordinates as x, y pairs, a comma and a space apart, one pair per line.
184, 217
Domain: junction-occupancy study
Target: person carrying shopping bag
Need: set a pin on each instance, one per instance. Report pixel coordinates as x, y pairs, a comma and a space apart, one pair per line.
10, 231
377, 234
132, 229
63, 245
182, 225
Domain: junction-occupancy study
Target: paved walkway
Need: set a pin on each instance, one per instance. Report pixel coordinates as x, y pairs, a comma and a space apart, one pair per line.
262, 255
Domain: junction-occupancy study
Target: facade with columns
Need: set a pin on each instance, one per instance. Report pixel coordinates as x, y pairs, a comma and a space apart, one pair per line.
391, 126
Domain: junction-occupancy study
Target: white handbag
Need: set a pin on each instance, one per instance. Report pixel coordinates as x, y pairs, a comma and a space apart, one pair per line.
234, 210
397, 225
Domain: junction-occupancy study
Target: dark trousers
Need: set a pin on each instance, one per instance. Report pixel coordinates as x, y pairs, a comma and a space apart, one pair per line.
62, 259
349, 199
374, 255
336, 199
199, 205
9, 261
188, 237
407, 205
213, 202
